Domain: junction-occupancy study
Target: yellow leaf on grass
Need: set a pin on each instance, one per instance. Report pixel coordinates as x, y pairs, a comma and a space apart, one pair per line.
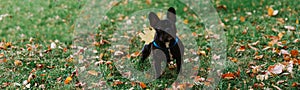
68, 80
148, 35
270, 11
186, 21
297, 21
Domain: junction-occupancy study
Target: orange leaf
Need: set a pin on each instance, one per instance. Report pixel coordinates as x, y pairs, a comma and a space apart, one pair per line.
295, 84
270, 11
294, 53
143, 85
68, 80
3, 61
117, 82
135, 54
241, 49
194, 34
108, 62
148, 2
18, 62
242, 19
228, 76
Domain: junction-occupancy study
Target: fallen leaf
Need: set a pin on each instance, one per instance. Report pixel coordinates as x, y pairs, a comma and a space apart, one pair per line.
276, 69
185, 21
148, 35
233, 59
228, 76
143, 85
39, 66
295, 84
117, 82
270, 11
294, 53
275, 12
148, 2
201, 53
241, 49
18, 63
258, 57
53, 45
290, 28
281, 20
108, 62
242, 19
93, 72
68, 80
4, 60
135, 54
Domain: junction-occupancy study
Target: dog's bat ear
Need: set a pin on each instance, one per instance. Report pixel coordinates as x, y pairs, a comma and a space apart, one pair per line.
171, 15
153, 18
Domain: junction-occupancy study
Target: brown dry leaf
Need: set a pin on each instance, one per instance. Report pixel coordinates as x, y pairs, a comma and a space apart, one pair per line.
148, 35
295, 84
258, 57
274, 40
233, 59
250, 46
241, 49
108, 62
228, 75
18, 63
201, 53
68, 80
135, 54
143, 85
242, 19
148, 2
281, 20
294, 53
280, 35
194, 34
117, 82
4, 60
8, 44
93, 72
186, 21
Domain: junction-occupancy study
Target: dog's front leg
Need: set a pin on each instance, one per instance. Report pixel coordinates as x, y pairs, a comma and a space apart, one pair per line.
146, 51
176, 54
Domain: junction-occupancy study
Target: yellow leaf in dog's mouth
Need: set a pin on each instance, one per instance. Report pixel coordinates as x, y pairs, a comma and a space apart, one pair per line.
148, 35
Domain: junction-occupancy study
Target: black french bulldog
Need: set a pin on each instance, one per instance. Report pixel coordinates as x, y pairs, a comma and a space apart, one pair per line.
165, 39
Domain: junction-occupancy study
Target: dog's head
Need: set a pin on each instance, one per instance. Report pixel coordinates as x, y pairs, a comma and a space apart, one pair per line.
165, 29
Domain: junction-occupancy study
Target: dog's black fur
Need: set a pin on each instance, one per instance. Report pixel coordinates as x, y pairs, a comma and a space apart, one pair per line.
165, 34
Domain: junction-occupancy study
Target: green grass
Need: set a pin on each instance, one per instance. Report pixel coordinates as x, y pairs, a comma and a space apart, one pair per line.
47, 21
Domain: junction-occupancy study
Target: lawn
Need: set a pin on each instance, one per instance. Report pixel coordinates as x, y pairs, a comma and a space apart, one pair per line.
57, 44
